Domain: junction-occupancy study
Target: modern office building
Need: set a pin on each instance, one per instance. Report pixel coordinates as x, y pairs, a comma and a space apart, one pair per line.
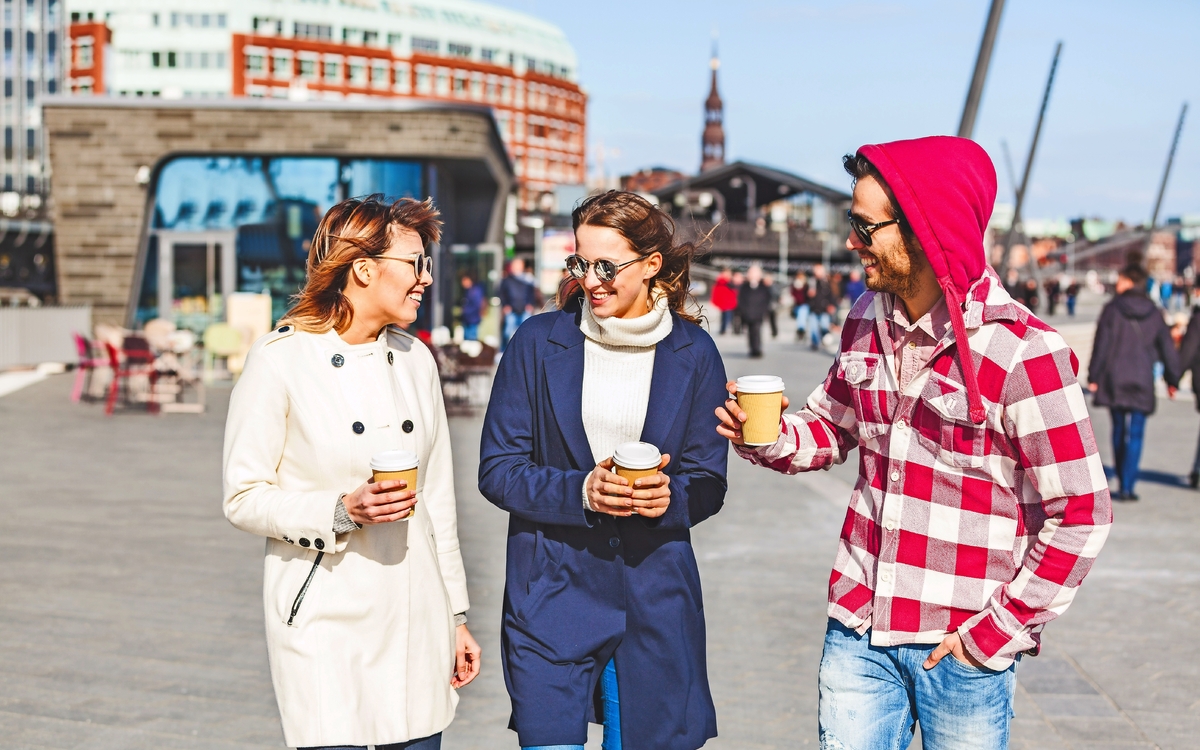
521, 67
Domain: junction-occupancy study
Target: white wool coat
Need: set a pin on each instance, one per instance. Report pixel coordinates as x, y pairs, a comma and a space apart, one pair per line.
368, 654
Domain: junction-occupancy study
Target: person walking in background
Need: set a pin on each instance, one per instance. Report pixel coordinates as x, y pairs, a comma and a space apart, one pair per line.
736, 283
799, 291
724, 298
1131, 336
980, 503
769, 283
855, 286
1071, 291
473, 306
822, 305
754, 301
364, 587
603, 615
1189, 359
1030, 297
518, 299
1052, 293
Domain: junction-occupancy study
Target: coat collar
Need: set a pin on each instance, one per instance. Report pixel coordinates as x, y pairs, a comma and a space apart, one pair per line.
564, 378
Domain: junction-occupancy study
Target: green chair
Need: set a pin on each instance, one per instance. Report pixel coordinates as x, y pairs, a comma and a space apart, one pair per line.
221, 341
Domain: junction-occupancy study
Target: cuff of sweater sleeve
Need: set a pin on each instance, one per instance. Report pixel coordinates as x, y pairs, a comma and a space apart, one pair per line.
586, 481
460, 619
342, 522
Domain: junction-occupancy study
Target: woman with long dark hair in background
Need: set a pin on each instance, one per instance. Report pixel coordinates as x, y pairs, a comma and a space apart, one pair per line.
603, 616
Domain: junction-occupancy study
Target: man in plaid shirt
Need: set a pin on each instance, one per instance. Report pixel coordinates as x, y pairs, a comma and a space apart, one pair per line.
981, 501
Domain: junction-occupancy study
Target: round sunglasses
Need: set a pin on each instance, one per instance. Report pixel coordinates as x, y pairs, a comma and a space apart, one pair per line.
864, 230
606, 270
422, 264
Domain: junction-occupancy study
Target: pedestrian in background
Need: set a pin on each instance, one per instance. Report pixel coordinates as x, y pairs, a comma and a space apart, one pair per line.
822, 305
799, 291
979, 506
769, 283
1131, 336
1072, 293
855, 286
1052, 294
603, 615
363, 582
473, 306
736, 282
754, 302
518, 299
1189, 359
724, 298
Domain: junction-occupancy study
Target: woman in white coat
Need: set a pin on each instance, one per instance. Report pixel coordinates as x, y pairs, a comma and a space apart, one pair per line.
363, 585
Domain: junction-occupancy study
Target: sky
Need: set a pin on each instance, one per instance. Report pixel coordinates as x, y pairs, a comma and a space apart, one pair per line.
807, 81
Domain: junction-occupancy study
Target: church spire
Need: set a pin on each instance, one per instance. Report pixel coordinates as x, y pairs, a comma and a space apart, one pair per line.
712, 143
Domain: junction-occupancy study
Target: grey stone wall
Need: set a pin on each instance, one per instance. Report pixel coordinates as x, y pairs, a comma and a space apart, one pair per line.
97, 146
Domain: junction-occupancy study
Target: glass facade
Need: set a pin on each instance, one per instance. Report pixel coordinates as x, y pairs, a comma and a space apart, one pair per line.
244, 224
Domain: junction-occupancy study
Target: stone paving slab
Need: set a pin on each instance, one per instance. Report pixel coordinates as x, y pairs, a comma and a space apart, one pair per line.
132, 615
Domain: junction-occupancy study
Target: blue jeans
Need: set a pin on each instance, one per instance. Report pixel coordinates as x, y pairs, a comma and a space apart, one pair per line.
512, 321
433, 742
470, 332
1128, 432
612, 714
726, 320
871, 696
818, 326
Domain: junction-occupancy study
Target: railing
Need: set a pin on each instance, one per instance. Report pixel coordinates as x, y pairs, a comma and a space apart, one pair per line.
744, 240
33, 335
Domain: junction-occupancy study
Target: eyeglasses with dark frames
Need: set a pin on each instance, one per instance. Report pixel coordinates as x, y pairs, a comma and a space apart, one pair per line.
864, 230
606, 270
422, 264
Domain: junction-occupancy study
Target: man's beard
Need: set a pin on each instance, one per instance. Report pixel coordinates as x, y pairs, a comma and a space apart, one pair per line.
898, 274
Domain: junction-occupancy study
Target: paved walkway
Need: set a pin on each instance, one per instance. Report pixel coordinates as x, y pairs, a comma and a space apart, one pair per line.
131, 611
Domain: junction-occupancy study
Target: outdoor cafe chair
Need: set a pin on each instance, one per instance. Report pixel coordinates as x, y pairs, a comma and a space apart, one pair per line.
88, 362
134, 360
223, 341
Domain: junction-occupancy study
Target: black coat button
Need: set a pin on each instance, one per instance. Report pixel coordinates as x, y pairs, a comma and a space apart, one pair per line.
284, 329
319, 543
614, 542
407, 426
358, 428
391, 359
338, 360
304, 542
289, 541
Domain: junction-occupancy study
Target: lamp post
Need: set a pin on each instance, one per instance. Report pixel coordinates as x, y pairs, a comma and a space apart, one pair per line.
538, 225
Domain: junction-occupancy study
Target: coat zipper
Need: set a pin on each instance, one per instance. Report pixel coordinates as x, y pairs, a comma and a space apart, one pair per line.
304, 589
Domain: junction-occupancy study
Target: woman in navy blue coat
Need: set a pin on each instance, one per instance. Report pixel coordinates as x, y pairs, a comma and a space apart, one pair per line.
603, 614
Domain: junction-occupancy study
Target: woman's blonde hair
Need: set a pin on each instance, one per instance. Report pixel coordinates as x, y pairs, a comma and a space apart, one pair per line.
355, 228
647, 229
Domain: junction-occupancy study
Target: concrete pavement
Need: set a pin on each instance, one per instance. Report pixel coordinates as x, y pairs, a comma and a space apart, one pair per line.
132, 618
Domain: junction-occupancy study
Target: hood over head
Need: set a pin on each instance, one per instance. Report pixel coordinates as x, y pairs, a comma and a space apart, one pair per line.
1135, 305
946, 187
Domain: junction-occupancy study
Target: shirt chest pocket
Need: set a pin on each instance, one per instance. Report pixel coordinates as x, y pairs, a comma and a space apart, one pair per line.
942, 421
870, 396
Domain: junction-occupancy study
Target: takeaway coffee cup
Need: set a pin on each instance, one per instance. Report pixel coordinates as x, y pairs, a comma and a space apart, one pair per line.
391, 465
761, 397
636, 460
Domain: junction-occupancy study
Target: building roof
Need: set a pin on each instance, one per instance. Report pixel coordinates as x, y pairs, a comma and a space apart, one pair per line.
772, 184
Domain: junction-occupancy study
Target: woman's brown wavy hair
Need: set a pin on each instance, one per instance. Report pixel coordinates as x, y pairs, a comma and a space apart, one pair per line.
355, 228
647, 229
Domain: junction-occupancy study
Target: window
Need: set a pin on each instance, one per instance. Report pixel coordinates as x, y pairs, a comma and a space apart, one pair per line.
189, 59
308, 68
156, 59
220, 60
205, 19
333, 71
170, 59
52, 86
222, 20
30, 139
203, 61
420, 44
358, 74
30, 89
458, 50
281, 66
153, 19
393, 39
313, 31
269, 26
488, 55
379, 75
370, 37
174, 20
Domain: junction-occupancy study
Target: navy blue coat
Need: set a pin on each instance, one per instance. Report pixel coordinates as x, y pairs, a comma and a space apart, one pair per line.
583, 587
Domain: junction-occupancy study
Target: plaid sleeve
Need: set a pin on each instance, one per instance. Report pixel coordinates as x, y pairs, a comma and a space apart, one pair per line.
1046, 418
817, 436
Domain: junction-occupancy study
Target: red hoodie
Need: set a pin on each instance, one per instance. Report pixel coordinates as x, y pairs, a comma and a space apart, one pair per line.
949, 217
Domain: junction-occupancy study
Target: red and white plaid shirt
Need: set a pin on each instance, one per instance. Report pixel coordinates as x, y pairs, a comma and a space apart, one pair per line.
986, 530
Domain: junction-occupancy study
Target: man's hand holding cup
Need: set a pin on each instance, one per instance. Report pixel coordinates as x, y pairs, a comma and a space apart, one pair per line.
734, 417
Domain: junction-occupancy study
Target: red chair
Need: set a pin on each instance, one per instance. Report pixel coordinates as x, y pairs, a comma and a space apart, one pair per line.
135, 360
88, 362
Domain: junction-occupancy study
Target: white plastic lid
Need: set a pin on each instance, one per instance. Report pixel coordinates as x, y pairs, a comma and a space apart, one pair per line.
394, 461
636, 456
760, 384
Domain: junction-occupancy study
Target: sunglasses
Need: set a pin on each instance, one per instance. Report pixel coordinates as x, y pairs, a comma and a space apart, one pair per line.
606, 270
422, 263
864, 230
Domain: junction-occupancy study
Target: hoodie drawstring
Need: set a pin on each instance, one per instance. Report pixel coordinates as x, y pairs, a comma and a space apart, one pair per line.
971, 380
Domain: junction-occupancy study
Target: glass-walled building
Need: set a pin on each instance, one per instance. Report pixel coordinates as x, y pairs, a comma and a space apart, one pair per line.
33, 67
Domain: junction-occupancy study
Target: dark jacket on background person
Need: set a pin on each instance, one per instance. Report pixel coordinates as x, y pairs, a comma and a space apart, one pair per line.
1131, 336
822, 297
1189, 352
580, 583
753, 302
517, 293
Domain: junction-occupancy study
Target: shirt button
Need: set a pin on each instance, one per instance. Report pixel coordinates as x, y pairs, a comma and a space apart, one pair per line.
337, 360
885, 576
912, 345
614, 542
901, 424
895, 476
358, 428
890, 525
304, 542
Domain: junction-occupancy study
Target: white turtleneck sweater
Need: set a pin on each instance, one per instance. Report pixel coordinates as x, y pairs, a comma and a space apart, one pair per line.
618, 365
